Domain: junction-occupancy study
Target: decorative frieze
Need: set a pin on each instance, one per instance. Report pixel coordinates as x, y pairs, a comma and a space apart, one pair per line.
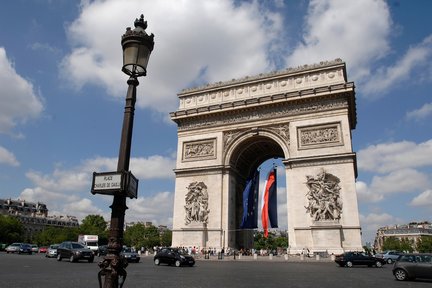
318, 136
291, 79
199, 150
264, 113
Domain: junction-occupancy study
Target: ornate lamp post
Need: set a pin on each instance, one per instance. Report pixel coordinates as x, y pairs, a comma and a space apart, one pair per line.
137, 46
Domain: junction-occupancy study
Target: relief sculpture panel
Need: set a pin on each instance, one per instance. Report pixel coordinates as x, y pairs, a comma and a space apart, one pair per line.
199, 150
324, 197
318, 136
196, 207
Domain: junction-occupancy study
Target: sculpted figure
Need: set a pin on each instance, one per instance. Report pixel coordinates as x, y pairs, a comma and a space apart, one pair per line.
324, 197
196, 199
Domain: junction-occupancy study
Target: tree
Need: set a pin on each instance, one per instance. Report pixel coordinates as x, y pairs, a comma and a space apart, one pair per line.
406, 245
95, 225
394, 243
424, 244
134, 236
55, 235
139, 235
11, 229
391, 243
166, 238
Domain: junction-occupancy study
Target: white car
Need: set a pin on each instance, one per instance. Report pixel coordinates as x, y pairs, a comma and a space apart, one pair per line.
52, 251
13, 248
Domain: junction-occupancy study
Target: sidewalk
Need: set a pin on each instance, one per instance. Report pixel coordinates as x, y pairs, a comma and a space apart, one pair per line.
276, 258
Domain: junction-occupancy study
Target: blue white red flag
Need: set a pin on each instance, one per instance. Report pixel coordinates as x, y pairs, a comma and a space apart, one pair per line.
250, 203
269, 203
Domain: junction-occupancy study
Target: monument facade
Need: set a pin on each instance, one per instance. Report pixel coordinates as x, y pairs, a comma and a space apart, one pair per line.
226, 130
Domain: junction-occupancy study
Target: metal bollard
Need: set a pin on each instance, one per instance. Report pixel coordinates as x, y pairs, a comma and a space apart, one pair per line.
271, 256
317, 257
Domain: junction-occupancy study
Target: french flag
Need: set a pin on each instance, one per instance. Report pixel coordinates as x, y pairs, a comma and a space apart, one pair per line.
269, 203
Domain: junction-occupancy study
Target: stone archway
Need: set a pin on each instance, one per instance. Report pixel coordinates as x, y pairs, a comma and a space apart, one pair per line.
226, 130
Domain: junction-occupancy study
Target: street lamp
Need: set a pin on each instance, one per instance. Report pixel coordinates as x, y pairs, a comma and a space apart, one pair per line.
137, 46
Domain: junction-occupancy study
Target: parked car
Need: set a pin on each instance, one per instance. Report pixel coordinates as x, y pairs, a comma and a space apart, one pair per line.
173, 256
13, 248
34, 248
130, 255
349, 259
389, 256
52, 251
25, 248
412, 266
43, 249
74, 251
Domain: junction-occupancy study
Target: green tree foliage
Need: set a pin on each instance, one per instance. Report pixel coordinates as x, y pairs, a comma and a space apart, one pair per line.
272, 242
95, 225
139, 236
393, 243
56, 235
424, 244
406, 245
166, 238
11, 229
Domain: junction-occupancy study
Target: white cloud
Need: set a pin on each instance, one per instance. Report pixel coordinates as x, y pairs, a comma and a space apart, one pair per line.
416, 57
400, 181
19, 101
356, 31
421, 113
387, 157
205, 40
157, 209
365, 194
67, 190
153, 167
8, 157
372, 222
424, 199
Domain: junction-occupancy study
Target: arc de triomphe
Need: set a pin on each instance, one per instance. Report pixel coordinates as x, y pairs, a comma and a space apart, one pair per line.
228, 129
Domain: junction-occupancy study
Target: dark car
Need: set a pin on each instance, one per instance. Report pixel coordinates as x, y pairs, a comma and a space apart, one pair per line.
74, 251
172, 256
411, 266
102, 250
25, 248
349, 259
129, 255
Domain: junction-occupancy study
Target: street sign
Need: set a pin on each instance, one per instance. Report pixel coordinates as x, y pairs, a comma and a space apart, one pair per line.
112, 183
132, 186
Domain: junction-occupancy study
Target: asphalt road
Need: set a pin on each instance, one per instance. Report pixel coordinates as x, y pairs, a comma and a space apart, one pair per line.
32, 271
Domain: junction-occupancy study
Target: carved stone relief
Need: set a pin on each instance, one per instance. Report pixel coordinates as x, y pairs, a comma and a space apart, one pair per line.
262, 114
199, 150
282, 130
309, 137
324, 197
196, 207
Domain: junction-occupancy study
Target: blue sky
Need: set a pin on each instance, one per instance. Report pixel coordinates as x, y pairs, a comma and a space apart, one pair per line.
62, 93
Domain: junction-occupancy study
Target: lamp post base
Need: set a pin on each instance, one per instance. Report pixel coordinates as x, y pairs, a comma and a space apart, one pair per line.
113, 271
